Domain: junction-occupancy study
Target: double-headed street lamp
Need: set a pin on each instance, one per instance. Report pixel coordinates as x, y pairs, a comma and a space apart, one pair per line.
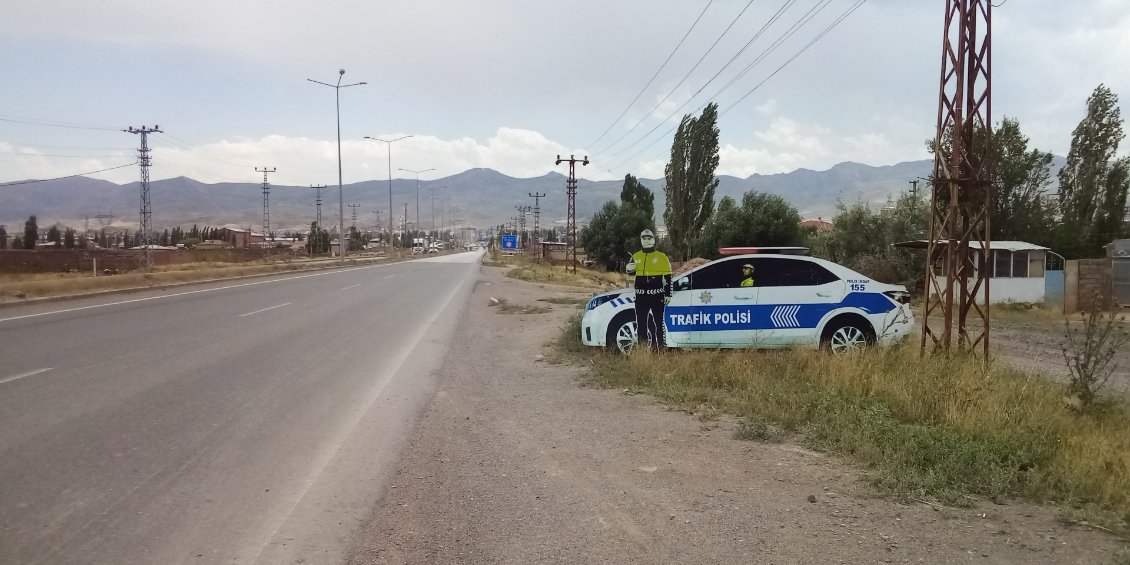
417, 191
340, 199
388, 143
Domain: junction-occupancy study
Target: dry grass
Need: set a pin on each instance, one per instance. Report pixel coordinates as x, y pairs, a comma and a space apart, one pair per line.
937, 428
531, 270
22, 286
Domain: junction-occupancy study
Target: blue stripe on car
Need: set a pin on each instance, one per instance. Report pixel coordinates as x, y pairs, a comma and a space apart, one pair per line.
763, 317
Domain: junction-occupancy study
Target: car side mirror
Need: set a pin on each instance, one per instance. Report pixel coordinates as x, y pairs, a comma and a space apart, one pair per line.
682, 284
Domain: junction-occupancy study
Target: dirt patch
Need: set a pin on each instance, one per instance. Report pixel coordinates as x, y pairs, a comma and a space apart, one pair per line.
1037, 348
518, 461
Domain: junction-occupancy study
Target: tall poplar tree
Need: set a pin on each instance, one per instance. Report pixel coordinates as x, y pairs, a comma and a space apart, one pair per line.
690, 179
31, 232
1020, 209
1093, 185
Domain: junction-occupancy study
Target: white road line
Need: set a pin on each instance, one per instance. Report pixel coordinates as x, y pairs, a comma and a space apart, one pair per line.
265, 309
22, 375
352, 286
175, 294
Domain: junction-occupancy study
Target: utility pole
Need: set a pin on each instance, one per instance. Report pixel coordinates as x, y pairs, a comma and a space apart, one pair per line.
377, 222
354, 208
146, 209
571, 222
266, 202
914, 188
522, 211
960, 203
317, 235
537, 219
353, 212
404, 224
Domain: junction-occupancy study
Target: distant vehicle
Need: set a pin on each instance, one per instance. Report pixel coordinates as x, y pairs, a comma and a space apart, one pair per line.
796, 301
433, 250
417, 250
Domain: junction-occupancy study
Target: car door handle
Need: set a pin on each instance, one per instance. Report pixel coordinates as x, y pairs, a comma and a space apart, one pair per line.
743, 298
823, 295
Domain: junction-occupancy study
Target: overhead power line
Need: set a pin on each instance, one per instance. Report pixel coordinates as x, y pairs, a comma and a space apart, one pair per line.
804, 19
653, 77
684, 79
57, 155
53, 123
68, 176
818, 37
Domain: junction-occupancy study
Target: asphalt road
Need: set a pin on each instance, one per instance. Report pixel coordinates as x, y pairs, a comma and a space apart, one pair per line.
247, 421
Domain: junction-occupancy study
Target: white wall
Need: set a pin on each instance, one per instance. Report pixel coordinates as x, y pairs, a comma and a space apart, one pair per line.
1028, 289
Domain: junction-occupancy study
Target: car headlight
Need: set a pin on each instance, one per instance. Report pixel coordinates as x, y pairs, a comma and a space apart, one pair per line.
598, 300
899, 296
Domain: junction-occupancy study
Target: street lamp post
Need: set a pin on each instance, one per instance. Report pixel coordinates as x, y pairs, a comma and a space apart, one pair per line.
432, 199
417, 191
340, 198
388, 143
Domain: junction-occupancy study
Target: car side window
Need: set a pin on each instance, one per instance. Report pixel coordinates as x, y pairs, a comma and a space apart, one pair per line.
723, 274
790, 272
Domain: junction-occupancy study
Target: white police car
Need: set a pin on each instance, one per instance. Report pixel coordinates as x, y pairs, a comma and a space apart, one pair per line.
796, 301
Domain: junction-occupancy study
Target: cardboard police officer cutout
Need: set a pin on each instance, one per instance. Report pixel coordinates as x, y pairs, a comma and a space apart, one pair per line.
652, 269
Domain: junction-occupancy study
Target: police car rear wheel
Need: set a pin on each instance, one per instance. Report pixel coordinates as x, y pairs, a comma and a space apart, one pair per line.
621, 335
847, 337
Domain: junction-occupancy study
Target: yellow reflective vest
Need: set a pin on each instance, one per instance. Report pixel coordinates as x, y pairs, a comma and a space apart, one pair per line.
651, 263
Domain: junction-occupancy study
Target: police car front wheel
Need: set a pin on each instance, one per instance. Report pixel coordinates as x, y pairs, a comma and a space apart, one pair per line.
621, 336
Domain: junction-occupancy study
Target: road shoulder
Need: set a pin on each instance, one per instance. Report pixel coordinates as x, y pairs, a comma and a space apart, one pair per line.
517, 460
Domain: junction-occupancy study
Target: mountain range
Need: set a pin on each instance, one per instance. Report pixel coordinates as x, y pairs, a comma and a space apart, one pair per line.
479, 197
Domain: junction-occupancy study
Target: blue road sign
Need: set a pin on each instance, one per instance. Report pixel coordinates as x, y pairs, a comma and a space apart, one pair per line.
510, 242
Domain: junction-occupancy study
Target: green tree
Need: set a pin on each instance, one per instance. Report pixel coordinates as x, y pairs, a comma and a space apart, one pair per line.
863, 240
355, 240
638, 196
54, 235
690, 179
765, 220
3, 238
31, 232
613, 234
1021, 210
318, 240
69, 238
1093, 185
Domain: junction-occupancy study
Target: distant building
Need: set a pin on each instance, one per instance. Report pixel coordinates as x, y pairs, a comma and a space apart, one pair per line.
240, 238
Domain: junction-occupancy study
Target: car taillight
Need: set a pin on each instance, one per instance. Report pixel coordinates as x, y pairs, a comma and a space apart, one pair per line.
899, 296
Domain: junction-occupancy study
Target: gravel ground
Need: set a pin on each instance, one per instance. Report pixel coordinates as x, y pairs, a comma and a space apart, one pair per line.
517, 461
1036, 347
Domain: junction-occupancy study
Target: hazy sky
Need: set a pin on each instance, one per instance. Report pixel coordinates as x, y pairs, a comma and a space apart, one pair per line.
509, 84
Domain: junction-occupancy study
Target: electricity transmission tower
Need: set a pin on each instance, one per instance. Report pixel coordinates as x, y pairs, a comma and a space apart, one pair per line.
316, 236
266, 203
960, 203
353, 211
522, 211
537, 212
146, 209
571, 222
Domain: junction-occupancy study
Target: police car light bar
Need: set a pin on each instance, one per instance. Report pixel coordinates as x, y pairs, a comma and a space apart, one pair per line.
762, 250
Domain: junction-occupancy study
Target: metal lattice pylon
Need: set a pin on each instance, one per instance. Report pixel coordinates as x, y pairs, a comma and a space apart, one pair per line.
959, 230
146, 208
571, 222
